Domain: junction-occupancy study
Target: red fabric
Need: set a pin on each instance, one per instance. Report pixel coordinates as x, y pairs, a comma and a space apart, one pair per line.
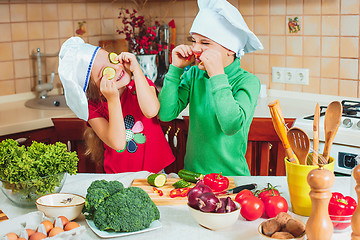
153, 155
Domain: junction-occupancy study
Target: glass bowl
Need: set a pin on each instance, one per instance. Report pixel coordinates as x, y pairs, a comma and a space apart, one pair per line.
24, 194
341, 223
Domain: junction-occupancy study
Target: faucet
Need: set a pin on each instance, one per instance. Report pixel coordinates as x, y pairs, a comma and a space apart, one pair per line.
43, 88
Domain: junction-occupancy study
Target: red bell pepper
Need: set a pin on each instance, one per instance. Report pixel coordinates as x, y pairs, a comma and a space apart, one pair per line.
216, 182
179, 192
158, 191
339, 208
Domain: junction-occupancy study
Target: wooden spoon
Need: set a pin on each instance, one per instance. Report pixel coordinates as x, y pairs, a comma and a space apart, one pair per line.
300, 143
316, 135
332, 122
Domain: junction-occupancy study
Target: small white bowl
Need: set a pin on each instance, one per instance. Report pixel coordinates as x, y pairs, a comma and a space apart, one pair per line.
61, 204
264, 237
215, 221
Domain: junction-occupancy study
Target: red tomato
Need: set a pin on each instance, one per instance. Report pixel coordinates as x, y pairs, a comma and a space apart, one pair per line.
270, 191
252, 208
242, 195
274, 205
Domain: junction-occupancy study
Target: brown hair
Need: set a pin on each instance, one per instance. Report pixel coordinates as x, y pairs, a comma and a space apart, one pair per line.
94, 145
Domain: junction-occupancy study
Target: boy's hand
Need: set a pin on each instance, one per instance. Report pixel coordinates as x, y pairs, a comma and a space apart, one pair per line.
212, 61
180, 56
108, 88
129, 61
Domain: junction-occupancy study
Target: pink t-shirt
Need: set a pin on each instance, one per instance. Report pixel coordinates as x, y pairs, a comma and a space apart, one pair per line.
146, 146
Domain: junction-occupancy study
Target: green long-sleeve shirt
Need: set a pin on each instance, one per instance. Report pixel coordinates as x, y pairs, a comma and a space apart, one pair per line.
221, 109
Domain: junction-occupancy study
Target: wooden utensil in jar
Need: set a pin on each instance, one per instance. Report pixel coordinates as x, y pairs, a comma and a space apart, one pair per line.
300, 143
332, 122
280, 128
316, 135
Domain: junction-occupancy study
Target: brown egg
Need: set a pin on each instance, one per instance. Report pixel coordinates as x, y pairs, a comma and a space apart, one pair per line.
64, 220
12, 236
48, 225
55, 231
30, 231
71, 225
21, 239
37, 236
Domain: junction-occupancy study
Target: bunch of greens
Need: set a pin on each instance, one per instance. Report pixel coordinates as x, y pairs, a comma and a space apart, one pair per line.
119, 209
36, 169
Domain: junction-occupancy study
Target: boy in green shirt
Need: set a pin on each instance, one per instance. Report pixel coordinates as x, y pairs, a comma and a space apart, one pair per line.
222, 97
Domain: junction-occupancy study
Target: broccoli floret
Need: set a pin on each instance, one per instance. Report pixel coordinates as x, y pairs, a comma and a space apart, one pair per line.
126, 211
97, 184
114, 187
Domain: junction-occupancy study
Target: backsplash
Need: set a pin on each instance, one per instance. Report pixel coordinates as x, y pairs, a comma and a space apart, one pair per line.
327, 43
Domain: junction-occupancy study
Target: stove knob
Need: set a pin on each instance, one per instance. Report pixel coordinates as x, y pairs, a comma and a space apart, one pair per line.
358, 124
347, 122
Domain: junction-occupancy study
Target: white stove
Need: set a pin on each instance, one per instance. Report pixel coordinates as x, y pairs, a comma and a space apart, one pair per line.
346, 145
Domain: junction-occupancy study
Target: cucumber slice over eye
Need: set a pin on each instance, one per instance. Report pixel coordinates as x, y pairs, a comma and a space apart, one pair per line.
110, 72
112, 57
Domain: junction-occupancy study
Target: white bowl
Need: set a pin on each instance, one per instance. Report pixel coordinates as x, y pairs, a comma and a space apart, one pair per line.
61, 204
264, 237
215, 221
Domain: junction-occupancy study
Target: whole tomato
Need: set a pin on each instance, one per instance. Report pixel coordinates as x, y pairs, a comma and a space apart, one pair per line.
274, 205
252, 208
269, 191
242, 195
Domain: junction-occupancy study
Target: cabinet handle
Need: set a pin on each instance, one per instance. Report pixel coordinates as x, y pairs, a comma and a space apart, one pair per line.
175, 137
167, 133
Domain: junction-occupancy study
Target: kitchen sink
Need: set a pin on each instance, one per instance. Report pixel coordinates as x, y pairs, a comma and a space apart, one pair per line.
51, 102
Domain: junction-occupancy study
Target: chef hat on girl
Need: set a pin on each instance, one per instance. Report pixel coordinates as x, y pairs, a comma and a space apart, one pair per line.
222, 22
75, 63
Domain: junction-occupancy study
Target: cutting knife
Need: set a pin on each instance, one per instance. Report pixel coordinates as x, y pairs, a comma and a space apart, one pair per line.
237, 189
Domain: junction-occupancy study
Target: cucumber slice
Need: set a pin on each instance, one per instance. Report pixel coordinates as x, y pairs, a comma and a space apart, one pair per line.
110, 72
181, 184
112, 57
157, 180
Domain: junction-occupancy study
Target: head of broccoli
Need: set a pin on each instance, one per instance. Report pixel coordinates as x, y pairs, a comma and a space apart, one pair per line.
119, 209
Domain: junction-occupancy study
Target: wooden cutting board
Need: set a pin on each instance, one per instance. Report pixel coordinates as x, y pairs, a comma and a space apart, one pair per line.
3, 216
166, 199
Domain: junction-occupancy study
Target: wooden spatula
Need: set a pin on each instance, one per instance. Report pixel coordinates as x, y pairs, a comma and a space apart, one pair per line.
300, 143
316, 135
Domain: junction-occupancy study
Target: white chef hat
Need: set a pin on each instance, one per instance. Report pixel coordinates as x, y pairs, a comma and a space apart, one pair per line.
75, 62
222, 22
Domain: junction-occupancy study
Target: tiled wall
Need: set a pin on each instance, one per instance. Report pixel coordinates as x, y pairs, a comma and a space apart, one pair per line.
328, 43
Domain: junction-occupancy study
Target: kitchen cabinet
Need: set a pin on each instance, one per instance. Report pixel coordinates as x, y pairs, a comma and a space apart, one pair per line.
45, 135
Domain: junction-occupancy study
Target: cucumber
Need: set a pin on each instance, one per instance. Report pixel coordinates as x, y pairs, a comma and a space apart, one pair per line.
182, 184
190, 176
112, 57
110, 72
156, 180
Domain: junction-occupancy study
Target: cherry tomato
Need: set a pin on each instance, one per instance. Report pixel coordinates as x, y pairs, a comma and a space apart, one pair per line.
252, 208
274, 205
242, 195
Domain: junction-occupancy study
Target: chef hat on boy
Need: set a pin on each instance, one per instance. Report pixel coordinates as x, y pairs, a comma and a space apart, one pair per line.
222, 22
75, 62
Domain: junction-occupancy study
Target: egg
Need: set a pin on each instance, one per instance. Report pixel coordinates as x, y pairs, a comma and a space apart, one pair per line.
30, 231
55, 231
12, 236
47, 224
37, 236
21, 239
61, 219
71, 225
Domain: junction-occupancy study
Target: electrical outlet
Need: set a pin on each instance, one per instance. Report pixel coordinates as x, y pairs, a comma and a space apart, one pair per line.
290, 75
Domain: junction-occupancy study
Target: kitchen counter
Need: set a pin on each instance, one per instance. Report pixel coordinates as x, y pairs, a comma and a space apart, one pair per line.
15, 117
176, 220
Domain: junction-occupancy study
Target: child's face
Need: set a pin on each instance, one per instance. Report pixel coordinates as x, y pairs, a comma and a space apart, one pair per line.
201, 44
122, 77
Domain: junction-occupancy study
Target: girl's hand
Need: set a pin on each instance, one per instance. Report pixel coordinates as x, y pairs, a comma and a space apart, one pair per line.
212, 61
180, 54
108, 89
128, 60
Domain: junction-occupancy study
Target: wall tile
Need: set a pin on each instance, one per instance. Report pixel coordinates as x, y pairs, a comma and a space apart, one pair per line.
180, 9
312, 46
312, 7
330, 25
261, 25
79, 11
266, 44
7, 87
313, 87
249, 22
262, 63
7, 70
50, 12
93, 27
93, 10
349, 25
51, 46
107, 26
191, 8
330, 67
294, 45
311, 25
349, 47
348, 88
36, 30
277, 45
19, 31
20, 50
277, 86
278, 7
6, 52
264, 78
278, 25
246, 7
350, 6
313, 64
66, 29
5, 30
261, 7
51, 30
65, 11
330, 6
294, 62
330, 46
22, 85
349, 68
247, 62
294, 7
18, 12
329, 86
277, 61
22, 68
34, 12
4, 13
